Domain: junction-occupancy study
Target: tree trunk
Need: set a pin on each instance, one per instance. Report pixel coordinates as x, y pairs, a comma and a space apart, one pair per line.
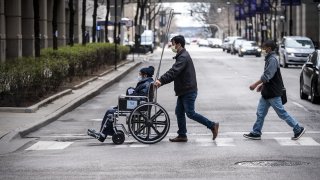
71, 23
55, 24
36, 27
107, 20
115, 22
83, 23
94, 21
119, 24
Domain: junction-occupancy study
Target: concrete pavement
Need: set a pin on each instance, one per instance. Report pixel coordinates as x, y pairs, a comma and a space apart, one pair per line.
18, 122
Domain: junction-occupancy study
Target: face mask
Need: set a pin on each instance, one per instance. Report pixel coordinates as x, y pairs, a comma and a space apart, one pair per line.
263, 52
173, 48
139, 78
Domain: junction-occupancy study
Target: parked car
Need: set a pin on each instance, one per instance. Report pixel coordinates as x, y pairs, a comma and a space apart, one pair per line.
147, 40
230, 40
235, 46
249, 48
310, 78
215, 42
295, 50
203, 42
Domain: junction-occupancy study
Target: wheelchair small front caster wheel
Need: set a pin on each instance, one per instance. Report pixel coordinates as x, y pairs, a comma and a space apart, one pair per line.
118, 137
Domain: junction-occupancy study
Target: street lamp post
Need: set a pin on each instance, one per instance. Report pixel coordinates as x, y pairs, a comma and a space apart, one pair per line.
228, 3
282, 18
319, 24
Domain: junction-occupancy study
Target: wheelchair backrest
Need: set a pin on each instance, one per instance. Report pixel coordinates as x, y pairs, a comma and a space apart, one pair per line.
151, 92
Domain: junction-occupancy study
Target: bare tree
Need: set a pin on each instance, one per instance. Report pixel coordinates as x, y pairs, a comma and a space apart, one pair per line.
36, 13
94, 20
107, 20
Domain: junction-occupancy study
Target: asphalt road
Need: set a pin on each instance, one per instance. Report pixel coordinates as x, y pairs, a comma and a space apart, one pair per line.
61, 150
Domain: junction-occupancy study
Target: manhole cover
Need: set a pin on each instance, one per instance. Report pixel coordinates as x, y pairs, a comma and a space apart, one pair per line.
270, 163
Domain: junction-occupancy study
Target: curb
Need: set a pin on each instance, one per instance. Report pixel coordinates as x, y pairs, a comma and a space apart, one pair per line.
35, 107
72, 105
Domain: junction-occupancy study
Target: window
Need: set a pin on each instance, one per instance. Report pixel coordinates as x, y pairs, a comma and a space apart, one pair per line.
299, 43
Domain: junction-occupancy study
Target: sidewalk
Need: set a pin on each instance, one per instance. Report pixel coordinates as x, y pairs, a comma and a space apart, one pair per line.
18, 122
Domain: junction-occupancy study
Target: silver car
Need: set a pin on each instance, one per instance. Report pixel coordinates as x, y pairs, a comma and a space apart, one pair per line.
295, 50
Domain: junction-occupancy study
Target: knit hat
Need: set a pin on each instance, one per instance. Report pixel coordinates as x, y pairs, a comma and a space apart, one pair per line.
149, 71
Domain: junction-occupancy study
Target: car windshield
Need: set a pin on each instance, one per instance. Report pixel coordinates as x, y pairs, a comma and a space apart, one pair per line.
299, 43
249, 44
146, 38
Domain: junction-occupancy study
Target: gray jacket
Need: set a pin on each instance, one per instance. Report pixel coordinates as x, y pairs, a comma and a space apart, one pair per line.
182, 73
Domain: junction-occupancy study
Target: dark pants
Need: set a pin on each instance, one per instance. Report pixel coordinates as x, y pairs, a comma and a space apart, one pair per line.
185, 105
107, 123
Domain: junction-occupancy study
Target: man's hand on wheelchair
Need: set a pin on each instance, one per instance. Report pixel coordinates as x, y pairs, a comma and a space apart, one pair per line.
157, 83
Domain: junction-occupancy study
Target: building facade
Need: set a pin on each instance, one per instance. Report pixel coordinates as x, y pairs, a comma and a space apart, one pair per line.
17, 26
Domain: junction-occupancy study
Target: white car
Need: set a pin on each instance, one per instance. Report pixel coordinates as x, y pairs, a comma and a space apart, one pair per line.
295, 50
215, 42
203, 42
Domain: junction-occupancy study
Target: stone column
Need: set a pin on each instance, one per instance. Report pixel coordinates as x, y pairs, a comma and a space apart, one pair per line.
62, 23
27, 22
13, 28
2, 32
49, 22
43, 24
77, 22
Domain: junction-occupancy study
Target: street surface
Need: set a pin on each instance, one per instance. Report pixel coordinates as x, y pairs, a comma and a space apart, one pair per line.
62, 150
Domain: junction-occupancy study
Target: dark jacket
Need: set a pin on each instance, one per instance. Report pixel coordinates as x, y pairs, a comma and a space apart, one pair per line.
142, 87
272, 80
182, 73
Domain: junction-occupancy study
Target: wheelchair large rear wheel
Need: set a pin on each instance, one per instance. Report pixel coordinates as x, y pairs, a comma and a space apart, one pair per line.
149, 123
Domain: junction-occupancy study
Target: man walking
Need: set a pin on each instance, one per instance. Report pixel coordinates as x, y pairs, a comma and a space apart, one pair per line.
270, 85
185, 85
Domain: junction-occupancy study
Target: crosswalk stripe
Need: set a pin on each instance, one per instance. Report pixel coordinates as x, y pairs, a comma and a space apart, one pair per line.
199, 141
304, 141
49, 145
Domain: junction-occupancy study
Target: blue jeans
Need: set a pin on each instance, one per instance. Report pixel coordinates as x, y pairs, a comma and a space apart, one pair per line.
276, 103
185, 105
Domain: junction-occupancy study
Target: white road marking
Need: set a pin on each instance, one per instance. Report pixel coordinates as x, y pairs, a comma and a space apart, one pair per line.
217, 142
95, 119
304, 141
49, 145
300, 106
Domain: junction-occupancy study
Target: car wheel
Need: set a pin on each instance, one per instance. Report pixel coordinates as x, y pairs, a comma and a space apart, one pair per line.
285, 65
302, 94
314, 99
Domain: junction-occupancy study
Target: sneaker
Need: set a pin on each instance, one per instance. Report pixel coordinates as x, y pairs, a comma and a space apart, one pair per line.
252, 136
179, 139
95, 134
299, 134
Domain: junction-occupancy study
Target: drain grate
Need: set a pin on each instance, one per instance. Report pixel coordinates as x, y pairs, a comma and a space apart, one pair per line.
270, 163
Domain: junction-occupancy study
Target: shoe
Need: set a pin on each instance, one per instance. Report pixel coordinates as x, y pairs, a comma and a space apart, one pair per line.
298, 135
214, 130
95, 134
252, 136
179, 139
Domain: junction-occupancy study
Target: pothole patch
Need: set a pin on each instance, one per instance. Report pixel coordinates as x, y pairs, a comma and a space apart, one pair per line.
271, 163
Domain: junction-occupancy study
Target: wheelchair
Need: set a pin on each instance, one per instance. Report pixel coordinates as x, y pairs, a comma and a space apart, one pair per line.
146, 120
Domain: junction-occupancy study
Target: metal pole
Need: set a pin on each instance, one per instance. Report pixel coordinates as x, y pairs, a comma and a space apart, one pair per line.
275, 22
228, 3
319, 25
